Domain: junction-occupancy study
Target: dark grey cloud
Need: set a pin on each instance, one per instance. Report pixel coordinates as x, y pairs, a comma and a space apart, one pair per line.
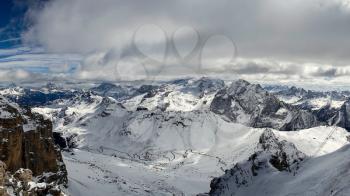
312, 30
331, 72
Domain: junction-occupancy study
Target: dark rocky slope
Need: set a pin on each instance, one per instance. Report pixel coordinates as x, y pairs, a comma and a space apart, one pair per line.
251, 105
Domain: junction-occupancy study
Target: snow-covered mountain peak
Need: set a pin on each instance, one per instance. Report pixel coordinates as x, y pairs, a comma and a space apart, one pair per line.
12, 91
284, 155
325, 175
271, 156
251, 105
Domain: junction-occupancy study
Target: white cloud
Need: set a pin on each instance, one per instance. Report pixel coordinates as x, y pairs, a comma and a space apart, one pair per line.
298, 30
275, 41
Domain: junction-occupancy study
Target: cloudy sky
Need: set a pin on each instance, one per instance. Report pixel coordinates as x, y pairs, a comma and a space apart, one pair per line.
272, 41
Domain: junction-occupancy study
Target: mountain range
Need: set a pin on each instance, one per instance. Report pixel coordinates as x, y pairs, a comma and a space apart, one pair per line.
189, 136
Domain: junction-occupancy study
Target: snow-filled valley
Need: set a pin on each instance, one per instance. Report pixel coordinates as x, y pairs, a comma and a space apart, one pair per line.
177, 137
186, 173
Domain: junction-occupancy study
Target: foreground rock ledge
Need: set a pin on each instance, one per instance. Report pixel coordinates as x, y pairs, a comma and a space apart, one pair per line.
26, 141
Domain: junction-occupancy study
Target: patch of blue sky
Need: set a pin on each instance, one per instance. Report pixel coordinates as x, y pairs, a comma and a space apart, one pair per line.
13, 42
36, 61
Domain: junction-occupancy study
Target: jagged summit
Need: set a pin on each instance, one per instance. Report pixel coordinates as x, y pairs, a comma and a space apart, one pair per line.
251, 105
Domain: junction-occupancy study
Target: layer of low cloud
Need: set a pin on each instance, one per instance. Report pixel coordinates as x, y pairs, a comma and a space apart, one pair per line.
34, 66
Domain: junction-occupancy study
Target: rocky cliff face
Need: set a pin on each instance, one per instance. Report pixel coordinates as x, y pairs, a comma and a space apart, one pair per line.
251, 105
26, 141
342, 116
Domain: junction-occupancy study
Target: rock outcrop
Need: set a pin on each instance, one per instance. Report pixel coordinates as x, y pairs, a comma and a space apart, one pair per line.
271, 156
22, 182
26, 141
